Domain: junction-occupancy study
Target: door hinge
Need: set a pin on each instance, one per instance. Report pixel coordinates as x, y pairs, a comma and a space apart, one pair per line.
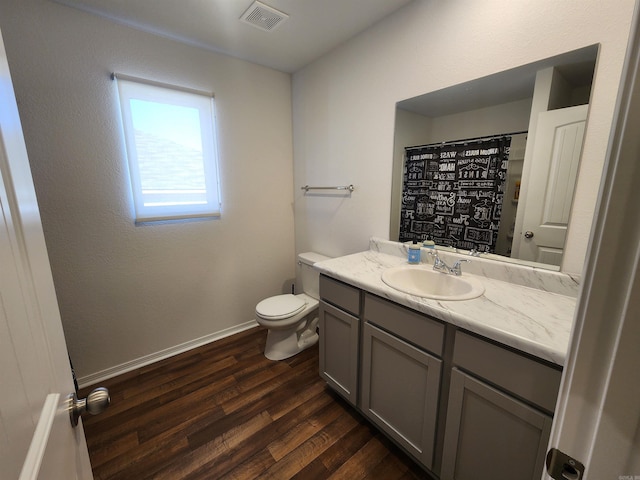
561, 466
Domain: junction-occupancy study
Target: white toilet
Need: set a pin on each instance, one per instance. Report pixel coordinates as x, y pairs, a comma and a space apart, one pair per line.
292, 319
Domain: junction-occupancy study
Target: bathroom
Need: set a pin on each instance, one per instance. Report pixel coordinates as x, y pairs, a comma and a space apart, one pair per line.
132, 294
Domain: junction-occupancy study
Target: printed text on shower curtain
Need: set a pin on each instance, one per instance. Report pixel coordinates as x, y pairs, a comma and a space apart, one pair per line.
452, 193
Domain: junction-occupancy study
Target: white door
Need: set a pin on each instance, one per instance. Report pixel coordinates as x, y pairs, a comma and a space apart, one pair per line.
597, 420
556, 155
35, 374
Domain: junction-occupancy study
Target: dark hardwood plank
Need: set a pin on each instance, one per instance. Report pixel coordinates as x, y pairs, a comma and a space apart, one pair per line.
224, 411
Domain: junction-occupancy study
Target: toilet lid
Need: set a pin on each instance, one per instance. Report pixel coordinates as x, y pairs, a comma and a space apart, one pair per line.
280, 306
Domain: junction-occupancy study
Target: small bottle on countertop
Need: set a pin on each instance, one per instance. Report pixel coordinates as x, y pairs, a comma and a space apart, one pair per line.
429, 244
414, 253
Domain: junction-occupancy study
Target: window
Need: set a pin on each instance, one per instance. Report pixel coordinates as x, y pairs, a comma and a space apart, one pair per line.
171, 150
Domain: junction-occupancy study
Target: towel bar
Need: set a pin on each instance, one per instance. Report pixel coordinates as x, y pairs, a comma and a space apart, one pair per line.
351, 188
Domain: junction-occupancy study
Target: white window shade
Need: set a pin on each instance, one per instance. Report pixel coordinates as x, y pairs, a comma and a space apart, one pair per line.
171, 151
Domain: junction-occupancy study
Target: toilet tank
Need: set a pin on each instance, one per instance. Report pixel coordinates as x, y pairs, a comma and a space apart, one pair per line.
309, 276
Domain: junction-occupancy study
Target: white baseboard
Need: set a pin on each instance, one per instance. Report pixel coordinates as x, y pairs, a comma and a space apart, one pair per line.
111, 372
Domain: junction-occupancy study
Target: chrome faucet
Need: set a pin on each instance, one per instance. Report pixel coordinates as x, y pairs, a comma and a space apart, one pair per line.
441, 266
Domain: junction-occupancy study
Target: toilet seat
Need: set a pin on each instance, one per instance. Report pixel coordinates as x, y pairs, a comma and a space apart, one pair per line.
280, 306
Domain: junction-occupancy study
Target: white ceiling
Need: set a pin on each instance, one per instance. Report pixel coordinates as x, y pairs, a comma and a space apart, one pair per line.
314, 27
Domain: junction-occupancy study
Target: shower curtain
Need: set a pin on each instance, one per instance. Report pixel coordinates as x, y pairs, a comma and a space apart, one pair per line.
452, 192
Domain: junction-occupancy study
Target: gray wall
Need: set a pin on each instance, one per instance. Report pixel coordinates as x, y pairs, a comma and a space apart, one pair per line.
126, 292
344, 103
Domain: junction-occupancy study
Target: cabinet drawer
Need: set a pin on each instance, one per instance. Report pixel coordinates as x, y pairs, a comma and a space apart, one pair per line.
340, 294
411, 326
531, 380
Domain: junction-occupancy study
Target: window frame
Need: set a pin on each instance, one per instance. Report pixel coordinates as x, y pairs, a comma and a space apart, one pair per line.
132, 88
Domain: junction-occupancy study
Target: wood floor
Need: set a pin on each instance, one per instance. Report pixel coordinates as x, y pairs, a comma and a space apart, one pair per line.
224, 411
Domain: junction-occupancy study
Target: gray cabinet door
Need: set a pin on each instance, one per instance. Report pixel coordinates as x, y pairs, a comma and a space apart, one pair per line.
400, 386
490, 435
339, 350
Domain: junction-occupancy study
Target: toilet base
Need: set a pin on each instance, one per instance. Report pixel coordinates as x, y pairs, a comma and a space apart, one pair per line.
286, 343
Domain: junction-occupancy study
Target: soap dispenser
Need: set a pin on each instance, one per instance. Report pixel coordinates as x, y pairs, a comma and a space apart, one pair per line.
428, 243
414, 253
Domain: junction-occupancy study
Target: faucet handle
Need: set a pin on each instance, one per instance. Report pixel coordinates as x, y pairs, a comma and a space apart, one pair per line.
438, 264
434, 254
458, 262
456, 269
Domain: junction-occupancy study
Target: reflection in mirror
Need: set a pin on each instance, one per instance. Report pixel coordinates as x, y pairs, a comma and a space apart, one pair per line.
546, 104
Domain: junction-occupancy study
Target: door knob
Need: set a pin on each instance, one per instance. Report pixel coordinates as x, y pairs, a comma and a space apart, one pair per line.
528, 234
96, 402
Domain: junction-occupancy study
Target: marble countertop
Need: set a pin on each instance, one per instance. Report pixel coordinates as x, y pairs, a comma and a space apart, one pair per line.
529, 319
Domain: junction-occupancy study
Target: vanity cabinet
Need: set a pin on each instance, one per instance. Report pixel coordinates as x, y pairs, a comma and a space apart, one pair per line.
339, 325
499, 412
400, 382
465, 407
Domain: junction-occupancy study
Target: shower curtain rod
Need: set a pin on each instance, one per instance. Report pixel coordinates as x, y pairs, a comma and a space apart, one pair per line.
467, 140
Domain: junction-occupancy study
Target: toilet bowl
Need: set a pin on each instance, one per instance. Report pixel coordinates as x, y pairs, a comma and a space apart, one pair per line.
292, 320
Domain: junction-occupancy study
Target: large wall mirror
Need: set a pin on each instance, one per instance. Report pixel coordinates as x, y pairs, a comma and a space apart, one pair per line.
542, 109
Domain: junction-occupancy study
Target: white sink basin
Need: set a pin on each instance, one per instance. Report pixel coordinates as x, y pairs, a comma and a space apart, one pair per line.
423, 281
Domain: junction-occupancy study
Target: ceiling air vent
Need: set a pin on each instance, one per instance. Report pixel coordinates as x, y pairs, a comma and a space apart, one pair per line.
263, 17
